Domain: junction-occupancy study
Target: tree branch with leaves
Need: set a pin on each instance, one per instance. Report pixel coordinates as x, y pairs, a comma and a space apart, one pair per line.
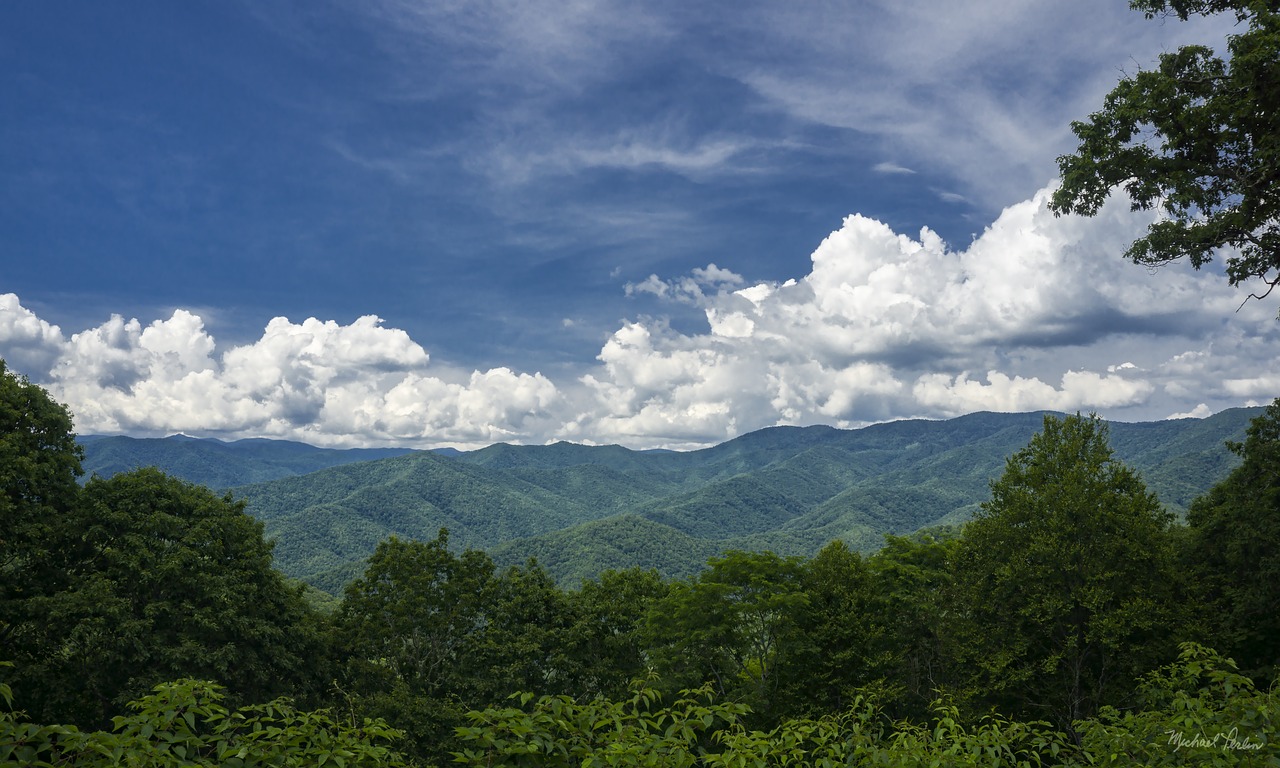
1198, 139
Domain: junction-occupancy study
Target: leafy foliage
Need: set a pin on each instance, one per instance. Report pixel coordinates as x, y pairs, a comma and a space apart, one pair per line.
607, 636
736, 624
1199, 137
39, 464
1064, 575
695, 730
427, 634
863, 736
913, 579
163, 579
559, 731
1198, 711
410, 631
1233, 552
184, 724
39, 460
839, 633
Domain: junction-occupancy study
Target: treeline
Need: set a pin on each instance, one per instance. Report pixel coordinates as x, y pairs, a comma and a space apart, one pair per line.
1069, 623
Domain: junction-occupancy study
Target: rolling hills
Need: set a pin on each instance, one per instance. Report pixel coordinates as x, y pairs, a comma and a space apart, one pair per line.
582, 509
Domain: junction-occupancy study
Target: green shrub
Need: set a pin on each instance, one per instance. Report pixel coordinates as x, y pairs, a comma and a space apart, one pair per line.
1199, 711
696, 731
559, 732
183, 724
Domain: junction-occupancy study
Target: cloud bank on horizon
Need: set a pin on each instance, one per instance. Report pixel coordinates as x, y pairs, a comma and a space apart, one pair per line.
1038, 312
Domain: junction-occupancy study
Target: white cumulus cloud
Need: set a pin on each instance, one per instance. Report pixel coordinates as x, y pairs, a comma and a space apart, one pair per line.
28, 343
318, 381
1080, 390
1038, 312
1201, 411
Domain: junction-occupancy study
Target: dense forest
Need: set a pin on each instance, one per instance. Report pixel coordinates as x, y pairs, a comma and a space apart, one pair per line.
1073, 621
582, 510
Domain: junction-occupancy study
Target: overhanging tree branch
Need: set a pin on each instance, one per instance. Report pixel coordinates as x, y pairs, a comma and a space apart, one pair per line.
1200, 138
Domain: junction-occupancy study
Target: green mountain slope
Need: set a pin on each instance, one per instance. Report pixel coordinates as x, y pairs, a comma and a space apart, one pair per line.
581, 509
622, 541
325, 520
598, 487
942, 479
1175, 456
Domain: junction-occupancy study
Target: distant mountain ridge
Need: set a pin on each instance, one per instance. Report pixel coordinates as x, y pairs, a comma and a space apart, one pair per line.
582, 509
215, 463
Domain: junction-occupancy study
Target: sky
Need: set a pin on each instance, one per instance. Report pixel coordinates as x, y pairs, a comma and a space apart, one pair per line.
663, 224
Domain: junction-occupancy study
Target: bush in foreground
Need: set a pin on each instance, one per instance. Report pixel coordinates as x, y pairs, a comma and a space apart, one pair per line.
1199, 711
183, 724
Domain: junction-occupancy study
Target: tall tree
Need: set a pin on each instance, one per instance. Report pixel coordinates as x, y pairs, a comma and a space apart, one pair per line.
39, 464
1065, 575
526, 638
836, 650
736, 624
108, 590
409, 630
914, 603
1234, 553
416, 612
1198, 137
606, 639
165, 580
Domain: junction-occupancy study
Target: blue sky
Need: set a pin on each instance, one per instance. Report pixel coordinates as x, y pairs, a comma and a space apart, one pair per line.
423, 223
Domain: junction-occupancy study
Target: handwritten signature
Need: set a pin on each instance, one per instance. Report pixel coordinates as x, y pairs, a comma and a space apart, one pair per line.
1228, 740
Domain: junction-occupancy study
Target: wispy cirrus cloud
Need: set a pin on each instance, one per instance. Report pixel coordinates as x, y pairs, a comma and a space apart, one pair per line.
564, 156
978, 99
531, 45
891, 168
482, 172
983, 93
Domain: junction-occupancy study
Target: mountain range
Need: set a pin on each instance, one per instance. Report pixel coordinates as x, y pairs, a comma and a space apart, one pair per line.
215, 463
582, 509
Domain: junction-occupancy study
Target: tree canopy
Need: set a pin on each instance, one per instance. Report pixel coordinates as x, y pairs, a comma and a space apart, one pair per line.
39, 464
1197, 137
109, 589
1234, 552
163, 579
1064, 575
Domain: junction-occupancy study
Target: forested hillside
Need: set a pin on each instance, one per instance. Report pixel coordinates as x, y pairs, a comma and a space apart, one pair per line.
581, 509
